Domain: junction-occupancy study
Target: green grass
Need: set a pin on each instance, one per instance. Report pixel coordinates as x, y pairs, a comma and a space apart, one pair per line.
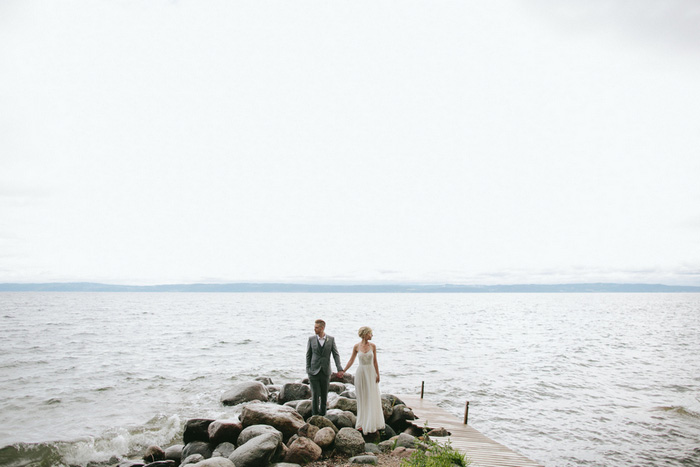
436, 455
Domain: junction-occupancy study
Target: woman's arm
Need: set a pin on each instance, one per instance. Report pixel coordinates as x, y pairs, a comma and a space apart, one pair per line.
352, 358
376, 365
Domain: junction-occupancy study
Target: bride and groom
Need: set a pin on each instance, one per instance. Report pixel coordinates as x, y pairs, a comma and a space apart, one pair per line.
320, 347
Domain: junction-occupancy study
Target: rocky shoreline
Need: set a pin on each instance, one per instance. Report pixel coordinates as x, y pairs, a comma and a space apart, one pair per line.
276, 429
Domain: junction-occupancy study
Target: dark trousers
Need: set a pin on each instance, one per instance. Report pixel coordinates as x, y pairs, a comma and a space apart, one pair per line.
319, 392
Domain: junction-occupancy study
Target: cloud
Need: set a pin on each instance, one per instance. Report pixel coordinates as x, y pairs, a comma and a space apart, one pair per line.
663, 22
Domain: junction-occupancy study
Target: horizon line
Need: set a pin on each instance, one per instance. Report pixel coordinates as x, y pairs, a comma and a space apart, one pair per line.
376, 287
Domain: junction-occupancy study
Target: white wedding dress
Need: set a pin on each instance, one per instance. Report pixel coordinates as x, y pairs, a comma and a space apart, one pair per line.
370, 417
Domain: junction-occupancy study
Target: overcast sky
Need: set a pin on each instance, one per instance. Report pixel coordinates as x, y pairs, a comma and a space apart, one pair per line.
467, 142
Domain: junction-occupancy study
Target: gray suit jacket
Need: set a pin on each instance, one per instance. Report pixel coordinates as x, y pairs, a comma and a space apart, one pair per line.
318, 359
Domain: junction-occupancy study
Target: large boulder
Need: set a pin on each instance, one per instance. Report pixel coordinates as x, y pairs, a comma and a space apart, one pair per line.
192, 459
308, 431
405, 440
224, 450
304, 408
322, 422
341, 418
285, 419
196, 429
336, 387
174, 453
343, 403
347, 378
154, 454
303, 451
254, 431
324, 437
245, 392
257, 452
222, 431
197, 447
215, 462
400, 417
293, 392
350, 442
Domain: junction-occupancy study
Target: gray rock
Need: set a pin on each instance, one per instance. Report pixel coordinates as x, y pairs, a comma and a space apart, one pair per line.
303, 451
127, 463
322, 422
373, 448
386, 446
439, 432
341, 418
265, 380
257, 452
193, 459
324, 437
153, 454
406, 440
304, 408
293, 392
393, 399
413, 431
254, 431
292, 439
387, 433
345, 404
196, 429
366, 459
292, 404
224, 431
215, 462
349, 394
400, 417
350, 442
284, 464
308, 431
197, 447
285, 419
224, 450
161, 464
245, 392
174, 453
387, 407
332, 400
336, 387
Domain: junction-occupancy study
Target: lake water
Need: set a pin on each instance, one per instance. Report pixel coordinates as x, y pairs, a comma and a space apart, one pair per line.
565, 379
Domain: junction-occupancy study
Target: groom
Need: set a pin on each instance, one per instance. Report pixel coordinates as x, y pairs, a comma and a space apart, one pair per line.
318, 366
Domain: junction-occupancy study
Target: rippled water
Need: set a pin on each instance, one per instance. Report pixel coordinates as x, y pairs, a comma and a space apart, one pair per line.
565, 379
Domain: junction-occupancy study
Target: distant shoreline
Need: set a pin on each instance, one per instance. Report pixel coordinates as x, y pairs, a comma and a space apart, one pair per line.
360, 288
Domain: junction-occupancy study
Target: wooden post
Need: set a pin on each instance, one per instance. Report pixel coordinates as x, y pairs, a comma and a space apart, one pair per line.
466, 413
422, 388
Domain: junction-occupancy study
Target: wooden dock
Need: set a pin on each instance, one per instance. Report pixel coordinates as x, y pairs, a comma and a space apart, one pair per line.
482, 451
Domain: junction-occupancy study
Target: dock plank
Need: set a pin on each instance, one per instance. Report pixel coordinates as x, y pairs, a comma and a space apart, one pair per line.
483, 451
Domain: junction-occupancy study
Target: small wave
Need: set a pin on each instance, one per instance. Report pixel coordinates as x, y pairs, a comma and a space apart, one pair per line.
679, 410
52, 401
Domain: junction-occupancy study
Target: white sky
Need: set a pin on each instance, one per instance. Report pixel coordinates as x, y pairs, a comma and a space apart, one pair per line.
350, 141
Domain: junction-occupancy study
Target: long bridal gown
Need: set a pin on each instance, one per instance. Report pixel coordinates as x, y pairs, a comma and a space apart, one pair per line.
370, 417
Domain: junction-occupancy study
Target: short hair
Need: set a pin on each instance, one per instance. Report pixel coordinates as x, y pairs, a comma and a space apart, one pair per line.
321, 322
363, 331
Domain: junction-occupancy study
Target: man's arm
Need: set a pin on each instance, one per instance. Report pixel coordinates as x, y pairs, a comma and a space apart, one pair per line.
308, 357
336, 357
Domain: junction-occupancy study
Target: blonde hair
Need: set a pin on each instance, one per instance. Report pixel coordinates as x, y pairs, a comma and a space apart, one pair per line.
363, 331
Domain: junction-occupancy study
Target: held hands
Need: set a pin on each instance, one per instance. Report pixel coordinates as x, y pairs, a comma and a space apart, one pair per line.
340, 374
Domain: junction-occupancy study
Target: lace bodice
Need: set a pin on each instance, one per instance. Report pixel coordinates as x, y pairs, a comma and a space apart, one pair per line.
365, 358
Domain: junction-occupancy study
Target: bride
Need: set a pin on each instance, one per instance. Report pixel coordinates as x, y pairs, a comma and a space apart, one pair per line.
370, 417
